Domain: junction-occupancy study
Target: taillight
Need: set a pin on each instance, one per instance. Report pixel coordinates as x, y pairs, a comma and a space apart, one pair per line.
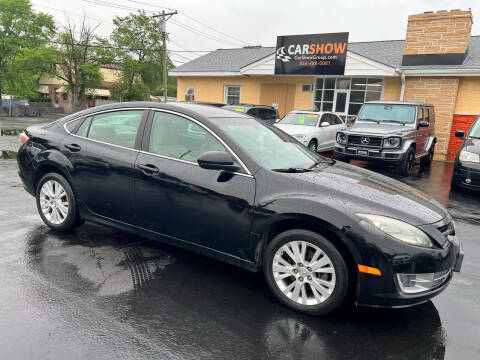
23, 137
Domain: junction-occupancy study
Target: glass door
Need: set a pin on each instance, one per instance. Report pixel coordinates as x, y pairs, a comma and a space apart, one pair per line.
341, 101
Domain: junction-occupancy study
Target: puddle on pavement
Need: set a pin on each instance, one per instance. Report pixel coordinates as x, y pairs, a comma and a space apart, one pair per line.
7, 154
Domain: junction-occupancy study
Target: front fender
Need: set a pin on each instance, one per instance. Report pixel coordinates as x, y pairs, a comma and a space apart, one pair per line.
273, 211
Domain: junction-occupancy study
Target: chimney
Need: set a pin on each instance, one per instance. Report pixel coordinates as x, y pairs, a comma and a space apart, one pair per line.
437, 38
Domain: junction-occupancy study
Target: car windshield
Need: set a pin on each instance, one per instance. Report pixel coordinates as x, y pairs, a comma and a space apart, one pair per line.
475, 129
269, 146
300, 119
404, 114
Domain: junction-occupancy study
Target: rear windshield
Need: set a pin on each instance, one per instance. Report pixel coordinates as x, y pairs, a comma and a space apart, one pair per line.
300, 119
390, 113
475, 129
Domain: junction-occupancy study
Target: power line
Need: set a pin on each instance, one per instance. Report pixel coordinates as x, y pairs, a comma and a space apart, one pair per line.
193, 19
99, 46
176, 22
74, 14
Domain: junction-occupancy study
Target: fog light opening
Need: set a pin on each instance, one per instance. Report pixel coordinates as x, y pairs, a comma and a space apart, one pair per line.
416, 283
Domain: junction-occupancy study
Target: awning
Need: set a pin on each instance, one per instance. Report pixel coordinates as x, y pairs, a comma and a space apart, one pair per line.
89, 92
98, 92
43, 89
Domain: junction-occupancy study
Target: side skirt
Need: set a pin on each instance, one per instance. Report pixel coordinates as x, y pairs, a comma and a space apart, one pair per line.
87, 215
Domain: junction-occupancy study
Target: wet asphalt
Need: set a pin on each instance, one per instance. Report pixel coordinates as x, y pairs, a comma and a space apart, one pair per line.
98, 293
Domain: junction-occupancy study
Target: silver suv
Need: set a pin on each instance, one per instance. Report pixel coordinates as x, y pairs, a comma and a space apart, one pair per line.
395, 132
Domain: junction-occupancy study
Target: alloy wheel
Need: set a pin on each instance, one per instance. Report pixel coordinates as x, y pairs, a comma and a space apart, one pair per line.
54, 202
411, 161
304, 273
313, 146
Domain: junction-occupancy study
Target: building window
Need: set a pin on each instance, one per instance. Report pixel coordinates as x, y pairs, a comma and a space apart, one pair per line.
307, 88
232, 94
345, 95
190, 93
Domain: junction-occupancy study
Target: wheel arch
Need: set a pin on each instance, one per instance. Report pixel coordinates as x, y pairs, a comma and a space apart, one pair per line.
47, 167
319, 226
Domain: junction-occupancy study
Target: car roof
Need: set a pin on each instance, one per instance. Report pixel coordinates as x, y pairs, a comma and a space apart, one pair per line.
197, 111
413, 103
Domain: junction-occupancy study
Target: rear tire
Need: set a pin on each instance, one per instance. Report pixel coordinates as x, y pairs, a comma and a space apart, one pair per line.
56, 203
406, 165
306, 272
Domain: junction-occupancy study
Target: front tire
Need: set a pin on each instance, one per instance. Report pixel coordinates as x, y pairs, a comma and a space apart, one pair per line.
56, 203
306, 272
340, 157
426, 161
313, 146
406, 165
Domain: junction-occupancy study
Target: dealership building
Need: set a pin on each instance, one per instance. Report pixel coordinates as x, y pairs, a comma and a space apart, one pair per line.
437, 62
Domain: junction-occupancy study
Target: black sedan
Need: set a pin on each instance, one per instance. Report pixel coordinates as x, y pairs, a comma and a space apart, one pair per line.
225, 185
466, 172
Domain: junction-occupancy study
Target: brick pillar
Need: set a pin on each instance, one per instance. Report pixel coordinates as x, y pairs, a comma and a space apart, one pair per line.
441, 92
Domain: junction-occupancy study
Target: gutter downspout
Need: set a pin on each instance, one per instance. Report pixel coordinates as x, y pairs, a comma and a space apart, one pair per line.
402, 75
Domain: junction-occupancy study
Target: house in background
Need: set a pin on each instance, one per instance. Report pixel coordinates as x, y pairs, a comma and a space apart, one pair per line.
438, 62
53, 88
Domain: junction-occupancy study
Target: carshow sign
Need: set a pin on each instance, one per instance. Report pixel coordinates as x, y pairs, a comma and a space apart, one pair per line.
314, 54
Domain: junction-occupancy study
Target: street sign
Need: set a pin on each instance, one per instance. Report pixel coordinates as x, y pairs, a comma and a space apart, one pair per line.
314, 54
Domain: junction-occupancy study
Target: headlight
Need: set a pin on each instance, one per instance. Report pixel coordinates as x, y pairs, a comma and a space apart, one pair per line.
299, 136
398, 230
392, 142
341, 138
467, 156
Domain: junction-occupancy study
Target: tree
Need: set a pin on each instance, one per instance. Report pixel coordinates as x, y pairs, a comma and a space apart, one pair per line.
78, 60
137, 38
23, 35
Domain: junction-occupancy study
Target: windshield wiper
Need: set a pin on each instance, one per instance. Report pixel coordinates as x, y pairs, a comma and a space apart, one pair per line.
377, 121
474, 137
292, 170
326, 161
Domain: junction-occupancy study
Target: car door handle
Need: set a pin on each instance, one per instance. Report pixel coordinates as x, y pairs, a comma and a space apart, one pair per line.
73, 147
148, 169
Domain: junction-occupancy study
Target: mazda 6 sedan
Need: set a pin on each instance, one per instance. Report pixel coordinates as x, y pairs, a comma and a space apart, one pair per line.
230, 187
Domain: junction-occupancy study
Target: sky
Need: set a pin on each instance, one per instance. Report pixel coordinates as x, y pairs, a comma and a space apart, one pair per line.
202, 26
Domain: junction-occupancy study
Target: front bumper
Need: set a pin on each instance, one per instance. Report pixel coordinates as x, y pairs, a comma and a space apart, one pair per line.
370, 154
467, 176
393, 258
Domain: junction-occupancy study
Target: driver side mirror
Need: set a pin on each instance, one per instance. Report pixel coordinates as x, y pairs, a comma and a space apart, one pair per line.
217, 160
324, 124
423, 124
459, 134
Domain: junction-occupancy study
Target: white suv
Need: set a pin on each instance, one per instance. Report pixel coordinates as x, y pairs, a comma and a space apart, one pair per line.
315, 129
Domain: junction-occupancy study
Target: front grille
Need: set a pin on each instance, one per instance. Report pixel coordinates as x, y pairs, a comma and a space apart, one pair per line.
372, 141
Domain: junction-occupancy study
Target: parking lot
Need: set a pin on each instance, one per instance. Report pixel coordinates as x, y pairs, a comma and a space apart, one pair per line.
101, 293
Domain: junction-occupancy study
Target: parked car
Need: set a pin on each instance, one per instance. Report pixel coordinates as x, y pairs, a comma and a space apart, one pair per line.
316, 130
466, 171
393, 132
264, 113
204, 103
231, 187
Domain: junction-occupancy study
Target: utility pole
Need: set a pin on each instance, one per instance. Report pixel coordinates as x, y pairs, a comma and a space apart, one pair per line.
163, 28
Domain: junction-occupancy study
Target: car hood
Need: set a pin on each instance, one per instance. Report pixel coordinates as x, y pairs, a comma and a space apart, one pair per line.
361, 190
379, 129
472, 145
292, 129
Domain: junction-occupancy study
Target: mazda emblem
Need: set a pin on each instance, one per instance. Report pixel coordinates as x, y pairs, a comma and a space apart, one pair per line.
365, 140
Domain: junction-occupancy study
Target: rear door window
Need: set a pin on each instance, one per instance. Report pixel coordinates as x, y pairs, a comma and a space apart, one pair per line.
116, 127
83, 129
